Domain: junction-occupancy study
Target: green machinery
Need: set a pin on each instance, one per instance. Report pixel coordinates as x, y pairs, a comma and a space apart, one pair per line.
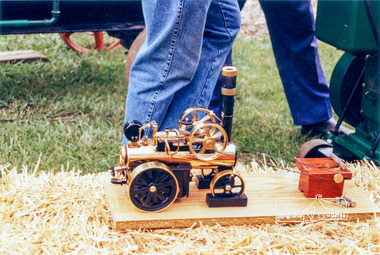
352, 26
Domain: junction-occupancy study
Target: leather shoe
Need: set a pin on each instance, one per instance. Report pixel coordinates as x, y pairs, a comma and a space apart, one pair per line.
321, 128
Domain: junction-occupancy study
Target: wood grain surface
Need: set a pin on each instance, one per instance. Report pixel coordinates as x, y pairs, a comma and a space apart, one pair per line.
273, 199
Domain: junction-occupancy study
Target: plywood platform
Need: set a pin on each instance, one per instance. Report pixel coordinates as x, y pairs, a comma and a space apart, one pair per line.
21, 55
271, 199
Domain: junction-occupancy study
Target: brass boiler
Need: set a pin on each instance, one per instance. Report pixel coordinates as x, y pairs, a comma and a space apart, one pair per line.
146, 150
148, 153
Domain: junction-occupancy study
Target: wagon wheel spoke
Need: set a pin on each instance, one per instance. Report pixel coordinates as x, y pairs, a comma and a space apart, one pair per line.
98, 42
195, 115
203, 134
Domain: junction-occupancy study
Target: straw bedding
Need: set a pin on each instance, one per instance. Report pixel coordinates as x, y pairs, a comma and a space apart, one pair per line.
67, 212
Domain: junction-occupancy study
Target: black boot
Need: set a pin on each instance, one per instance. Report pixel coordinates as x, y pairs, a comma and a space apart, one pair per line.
321, 128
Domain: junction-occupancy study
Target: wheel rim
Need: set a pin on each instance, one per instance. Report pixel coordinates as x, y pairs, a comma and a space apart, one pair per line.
98, 39
207, 141
343, 79
227, 184
195, 115
310, 149
153, 187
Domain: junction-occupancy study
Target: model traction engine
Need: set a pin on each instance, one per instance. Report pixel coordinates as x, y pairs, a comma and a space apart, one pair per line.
159, 169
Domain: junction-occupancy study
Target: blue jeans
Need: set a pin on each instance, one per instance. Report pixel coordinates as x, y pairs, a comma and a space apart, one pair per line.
178, 65
216, 103
291, 27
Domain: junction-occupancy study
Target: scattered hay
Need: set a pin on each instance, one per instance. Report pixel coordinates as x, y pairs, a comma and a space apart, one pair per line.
67, 212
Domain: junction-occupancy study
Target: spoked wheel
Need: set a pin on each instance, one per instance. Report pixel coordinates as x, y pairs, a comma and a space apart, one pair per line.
153, 187
311, 148
98, 38
207, 141
227, 184
195, 115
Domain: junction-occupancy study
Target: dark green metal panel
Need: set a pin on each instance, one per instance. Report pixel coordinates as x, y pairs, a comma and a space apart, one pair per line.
355, 146
345, 24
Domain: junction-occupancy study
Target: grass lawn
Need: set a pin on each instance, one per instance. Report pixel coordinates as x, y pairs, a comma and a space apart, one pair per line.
69, 111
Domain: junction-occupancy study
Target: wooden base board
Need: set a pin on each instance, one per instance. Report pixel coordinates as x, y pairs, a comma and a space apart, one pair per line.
21, 55
271, 199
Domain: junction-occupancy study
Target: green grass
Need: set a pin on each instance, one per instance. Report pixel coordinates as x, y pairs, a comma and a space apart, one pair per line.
70, 110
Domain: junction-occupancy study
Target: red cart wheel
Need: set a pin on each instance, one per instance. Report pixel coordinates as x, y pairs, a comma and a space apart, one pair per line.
99, 42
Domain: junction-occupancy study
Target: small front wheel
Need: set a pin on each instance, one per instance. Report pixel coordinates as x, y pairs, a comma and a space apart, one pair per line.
227, 184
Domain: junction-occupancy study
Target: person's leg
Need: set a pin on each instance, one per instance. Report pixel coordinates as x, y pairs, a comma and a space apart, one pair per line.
222, 26
216, 103
291, 26
168, 59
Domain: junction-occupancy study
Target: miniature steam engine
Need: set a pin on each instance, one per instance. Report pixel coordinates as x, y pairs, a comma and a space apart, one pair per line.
159, 169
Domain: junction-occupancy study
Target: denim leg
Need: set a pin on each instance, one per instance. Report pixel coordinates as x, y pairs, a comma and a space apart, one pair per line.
221, 28
291, 26
216, 103
187, 42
